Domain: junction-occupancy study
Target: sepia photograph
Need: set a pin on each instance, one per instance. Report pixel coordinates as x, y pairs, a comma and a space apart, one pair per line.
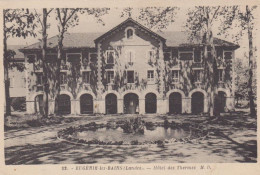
130, 85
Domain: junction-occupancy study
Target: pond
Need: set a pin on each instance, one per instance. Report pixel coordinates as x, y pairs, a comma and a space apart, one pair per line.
117, 135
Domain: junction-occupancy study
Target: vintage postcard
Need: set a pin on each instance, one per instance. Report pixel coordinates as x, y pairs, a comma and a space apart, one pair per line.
124, 87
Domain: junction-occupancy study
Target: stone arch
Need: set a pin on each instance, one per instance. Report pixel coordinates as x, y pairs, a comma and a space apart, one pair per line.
86, 102
111, 103
144, 93
131, 91
131, 102
32, 97
151, 102
205, 96
67, 93
198, 90
85, 92
110, 92
175, 90
224, 90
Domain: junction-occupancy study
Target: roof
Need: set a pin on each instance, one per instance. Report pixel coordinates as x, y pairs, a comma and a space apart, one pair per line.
179, 38
87, 40
71, 40
19, 56
135, 23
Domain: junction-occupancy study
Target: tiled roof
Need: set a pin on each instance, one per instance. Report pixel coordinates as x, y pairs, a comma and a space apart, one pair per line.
80, 40
71, 40
19, 55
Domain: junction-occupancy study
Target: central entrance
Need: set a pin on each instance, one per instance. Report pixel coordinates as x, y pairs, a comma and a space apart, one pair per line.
111, 104
131, 103
150, 103
175, 103
64, 106
86, 104
197, 103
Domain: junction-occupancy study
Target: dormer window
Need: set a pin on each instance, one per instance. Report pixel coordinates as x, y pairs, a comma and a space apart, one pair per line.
129, 33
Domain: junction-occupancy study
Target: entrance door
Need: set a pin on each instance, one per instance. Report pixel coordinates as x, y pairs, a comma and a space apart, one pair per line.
197, 103
86, 104
111, 104
221, 101
64, 105
150, 103
39, 104
175, 103
131, 103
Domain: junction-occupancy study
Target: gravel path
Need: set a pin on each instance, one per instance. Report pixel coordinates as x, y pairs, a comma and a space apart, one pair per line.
230, 142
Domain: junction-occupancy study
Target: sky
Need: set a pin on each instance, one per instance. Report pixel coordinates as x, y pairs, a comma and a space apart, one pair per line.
89, 24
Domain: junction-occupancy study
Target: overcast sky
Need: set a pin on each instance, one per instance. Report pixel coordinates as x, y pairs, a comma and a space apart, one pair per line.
113, 18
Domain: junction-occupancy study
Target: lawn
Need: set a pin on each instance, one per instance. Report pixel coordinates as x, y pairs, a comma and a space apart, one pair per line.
232, 138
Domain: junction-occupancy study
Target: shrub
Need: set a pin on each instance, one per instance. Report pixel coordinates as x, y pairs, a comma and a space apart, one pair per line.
18, 103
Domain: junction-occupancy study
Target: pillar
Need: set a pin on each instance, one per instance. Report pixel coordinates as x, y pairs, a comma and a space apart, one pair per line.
141, 106
120, 106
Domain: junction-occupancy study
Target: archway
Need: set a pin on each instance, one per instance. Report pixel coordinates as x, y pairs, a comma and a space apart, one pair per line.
38, 104
197, 103
220, 102
111, 104
150, 103
175, 103
131, 103
64, 105
86, 104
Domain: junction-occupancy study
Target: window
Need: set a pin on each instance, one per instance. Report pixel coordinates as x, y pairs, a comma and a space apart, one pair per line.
86, 77
110, 55
220, 75
175, 75
186, 55
130, 56
167, 56
130, 76
197, 56
11, 81
110, 76
129, 33
197, 77
73, 57
63, 78
150, 75
39, 79
92, 57
228, 55
150, 55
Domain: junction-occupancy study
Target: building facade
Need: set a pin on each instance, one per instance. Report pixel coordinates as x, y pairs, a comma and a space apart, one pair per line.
129, 69
16, 73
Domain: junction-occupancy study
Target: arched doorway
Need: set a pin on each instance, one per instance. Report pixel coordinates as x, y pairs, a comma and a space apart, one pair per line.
64, 106
111, 104
197, 103
150, 103
131, 103
221, 101
175, 103
38, 104
86, 104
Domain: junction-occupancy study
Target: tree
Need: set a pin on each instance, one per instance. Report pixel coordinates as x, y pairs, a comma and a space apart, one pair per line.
69, 18
17, 23
200, 23
244, 20
43, 22
156, 18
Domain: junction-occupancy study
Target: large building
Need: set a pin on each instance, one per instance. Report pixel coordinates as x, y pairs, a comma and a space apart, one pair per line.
129, 69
